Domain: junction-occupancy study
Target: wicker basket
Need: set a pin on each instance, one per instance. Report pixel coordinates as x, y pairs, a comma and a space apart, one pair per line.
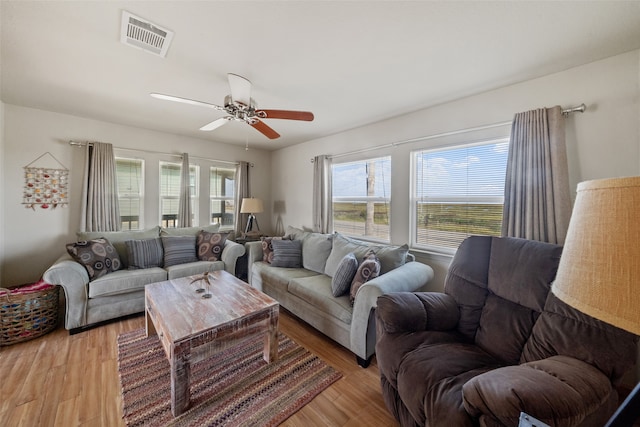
25, 316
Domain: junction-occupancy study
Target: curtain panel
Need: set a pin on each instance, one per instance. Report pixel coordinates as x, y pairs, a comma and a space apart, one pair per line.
322, 195
184, 203
241, 192
100, 208
537, 204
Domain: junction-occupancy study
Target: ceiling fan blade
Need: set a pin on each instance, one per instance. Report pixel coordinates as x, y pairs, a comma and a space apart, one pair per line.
216, 123
240, 89
285, 114
186, 101
265, 130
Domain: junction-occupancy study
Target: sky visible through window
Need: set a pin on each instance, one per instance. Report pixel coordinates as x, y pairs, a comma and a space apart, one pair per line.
473, 171
350, 179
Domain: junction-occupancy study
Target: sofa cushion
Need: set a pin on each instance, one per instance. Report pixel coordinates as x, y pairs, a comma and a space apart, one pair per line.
98, 256
287, 253
118, 239
368, 269
316, 248
278, 277
210, 245
341, 282
293, 233
189, 231
342, 246
316, 290
144, 253
193, 268
179, 250
125, 281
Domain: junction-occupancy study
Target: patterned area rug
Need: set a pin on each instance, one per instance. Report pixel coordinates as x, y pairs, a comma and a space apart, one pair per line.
235, 387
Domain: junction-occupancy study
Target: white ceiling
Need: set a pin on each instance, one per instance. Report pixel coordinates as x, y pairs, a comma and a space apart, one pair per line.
351, 63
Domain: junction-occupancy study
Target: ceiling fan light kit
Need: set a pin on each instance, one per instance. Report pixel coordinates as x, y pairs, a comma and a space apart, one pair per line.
241, 107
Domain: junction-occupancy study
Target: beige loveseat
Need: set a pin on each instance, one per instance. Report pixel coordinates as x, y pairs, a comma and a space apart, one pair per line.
121, 292
306, 291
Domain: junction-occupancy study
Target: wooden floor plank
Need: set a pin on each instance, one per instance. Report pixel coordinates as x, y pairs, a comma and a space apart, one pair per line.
72, 380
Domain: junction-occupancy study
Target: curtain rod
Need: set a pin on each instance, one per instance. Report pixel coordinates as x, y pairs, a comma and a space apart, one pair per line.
84, 144
565, 112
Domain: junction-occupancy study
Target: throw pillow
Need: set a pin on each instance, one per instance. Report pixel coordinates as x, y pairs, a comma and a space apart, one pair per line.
179, 250
368, 269
391, 257
98, 256
210, 245
344, 275
267, 248
287, 253
145, 253
117, 239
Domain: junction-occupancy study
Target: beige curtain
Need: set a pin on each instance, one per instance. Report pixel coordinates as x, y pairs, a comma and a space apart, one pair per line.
100, 208
241, 191
537, 203
322, 195
184, 203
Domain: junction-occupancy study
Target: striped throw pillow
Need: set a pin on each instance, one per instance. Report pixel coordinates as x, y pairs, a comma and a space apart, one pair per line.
342, 278
287, 253
179, 250
144, 253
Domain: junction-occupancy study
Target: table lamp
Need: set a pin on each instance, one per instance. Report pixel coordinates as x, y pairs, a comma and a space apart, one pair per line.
251, 206
599, 270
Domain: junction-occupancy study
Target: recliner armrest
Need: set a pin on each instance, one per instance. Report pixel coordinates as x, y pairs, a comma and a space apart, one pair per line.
417, 311
559, 391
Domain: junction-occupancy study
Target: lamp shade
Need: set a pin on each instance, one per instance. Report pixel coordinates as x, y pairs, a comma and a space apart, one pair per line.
599, 270
251, 205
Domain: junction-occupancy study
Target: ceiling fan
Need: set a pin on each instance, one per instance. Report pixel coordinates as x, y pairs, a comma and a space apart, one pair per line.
241, 107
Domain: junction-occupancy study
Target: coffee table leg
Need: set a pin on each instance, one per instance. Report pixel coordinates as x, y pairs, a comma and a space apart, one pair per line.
148, 320
270, 352
180, 373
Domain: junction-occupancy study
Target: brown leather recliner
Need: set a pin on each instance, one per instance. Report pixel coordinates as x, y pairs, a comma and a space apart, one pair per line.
498, 342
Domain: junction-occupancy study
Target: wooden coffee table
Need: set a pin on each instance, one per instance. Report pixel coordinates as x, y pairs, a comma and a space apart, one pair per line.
192, 328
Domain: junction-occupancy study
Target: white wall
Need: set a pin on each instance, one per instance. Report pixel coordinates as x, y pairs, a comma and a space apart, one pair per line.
34, 239
602, 142
2, 199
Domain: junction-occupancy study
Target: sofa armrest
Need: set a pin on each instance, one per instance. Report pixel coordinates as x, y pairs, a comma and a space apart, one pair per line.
254, 254
559, 391
406, 278
230, 254
73, 278
417, 311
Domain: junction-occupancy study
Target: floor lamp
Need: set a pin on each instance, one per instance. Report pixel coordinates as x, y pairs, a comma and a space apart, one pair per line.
599, 271
251, 206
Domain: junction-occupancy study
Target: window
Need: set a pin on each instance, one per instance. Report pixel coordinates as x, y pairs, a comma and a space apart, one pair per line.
129, 175
457, 192
170, 193
361, 198
221, 196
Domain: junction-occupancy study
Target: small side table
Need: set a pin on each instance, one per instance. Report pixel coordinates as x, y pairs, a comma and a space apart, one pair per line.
242, 264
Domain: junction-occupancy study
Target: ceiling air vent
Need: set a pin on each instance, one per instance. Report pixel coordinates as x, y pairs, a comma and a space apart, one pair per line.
142, 34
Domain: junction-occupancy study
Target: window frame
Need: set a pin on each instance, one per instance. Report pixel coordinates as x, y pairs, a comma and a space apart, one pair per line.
364, 199
194, 176
414, 200
140, 195
225, 198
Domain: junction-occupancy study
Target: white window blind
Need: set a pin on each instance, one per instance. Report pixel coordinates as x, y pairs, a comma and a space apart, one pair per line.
457, 192
170, 193
130, 178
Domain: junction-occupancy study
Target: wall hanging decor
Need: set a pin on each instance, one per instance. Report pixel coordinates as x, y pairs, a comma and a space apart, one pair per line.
45, 187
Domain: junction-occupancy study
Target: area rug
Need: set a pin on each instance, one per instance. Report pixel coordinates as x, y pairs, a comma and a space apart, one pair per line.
233, 388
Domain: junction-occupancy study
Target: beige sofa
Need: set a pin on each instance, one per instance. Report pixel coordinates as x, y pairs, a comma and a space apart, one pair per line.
307, 292
121, 293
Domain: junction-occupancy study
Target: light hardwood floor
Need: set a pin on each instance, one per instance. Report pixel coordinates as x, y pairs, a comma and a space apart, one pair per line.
72, 380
